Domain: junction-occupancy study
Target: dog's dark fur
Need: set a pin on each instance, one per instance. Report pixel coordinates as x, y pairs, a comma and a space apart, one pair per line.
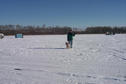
67, 45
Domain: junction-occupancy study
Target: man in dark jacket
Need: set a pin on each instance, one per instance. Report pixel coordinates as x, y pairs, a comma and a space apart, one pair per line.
70, 35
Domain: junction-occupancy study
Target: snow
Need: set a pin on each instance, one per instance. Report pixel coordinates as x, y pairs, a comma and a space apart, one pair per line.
44, 59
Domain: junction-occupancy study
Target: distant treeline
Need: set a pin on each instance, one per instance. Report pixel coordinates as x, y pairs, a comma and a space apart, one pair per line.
37, 30
103, 30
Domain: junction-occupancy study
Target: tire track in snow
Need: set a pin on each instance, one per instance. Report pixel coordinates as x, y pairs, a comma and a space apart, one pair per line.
118, 53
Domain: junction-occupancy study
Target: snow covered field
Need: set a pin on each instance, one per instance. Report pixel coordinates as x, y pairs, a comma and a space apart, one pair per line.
43, 59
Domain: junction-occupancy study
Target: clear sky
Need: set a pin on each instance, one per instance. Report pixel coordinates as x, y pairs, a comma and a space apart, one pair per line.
74, 13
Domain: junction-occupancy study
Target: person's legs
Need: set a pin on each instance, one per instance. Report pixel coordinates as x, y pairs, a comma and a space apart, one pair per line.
71, 43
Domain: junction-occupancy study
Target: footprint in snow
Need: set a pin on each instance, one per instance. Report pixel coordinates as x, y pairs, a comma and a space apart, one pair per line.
124, 58
63, 74
18, 69
124, 76
107, 78
89, 83
90, 77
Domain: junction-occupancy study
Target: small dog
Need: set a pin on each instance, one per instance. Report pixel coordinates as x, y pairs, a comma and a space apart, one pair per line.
67, 45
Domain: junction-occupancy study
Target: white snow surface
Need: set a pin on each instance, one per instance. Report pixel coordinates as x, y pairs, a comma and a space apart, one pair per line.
44, 59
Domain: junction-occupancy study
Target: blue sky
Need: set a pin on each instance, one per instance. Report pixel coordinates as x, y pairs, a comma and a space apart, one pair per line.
74, 13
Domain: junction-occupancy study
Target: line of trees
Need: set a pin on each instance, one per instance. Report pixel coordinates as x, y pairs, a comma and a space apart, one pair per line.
103, 30
37, 30
32, 30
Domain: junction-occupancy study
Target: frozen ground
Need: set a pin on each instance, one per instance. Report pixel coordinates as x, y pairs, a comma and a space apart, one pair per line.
43, 59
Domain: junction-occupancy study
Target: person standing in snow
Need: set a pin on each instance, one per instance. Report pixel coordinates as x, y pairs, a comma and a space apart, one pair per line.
70, 36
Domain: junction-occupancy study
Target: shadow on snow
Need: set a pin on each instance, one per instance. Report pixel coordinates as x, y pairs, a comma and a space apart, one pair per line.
47, 48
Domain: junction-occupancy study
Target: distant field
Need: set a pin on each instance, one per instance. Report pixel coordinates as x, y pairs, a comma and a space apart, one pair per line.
44, 59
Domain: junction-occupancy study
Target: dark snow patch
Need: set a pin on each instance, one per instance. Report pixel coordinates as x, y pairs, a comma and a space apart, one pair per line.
18, 69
